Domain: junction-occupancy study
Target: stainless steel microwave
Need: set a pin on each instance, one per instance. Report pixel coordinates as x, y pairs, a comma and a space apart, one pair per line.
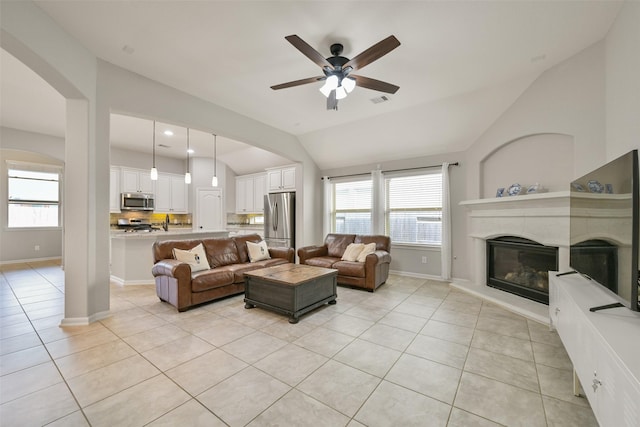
136, 202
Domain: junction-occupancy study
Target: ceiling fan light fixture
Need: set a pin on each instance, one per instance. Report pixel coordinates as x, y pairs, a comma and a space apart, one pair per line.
341, 92
330, 84
348, 84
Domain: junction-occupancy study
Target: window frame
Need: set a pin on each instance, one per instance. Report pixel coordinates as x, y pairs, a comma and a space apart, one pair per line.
34, 167
334, 211
387, 210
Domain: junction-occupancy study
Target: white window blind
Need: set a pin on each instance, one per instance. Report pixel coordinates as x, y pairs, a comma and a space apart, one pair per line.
413, 208
33, 197
352, 206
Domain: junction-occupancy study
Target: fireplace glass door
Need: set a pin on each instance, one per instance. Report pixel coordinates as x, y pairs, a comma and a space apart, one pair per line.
521, 266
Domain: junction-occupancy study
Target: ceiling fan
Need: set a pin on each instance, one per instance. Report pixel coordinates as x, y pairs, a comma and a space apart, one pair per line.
337, 69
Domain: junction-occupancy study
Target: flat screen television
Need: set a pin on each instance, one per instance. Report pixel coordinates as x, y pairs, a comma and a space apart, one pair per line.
605, 230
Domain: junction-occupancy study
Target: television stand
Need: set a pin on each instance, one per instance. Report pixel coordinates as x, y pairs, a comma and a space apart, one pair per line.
603, 347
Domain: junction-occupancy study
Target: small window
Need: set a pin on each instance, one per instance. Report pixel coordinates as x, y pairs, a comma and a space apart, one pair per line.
352, 207
34, 198
414, 208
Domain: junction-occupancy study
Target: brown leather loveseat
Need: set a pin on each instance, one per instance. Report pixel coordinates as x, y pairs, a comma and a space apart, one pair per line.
369, 274
228, 259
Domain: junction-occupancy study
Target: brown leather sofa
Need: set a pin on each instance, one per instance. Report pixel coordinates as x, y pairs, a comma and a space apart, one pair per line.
228, 259
367, 275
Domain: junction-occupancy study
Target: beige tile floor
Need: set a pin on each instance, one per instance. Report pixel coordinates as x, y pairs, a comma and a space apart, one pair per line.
415, 352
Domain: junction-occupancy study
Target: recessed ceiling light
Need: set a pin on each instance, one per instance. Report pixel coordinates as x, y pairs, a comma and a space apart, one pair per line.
168, 132
190, 151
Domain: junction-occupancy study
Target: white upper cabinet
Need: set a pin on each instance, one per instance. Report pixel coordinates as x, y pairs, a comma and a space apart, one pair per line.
283, 179
136, 181
250, 190
171, 194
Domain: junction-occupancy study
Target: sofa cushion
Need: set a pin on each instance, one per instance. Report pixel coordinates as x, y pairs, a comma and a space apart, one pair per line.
211, 279
241, 244
221, 252
196, 258
337, 243
367, 249
322, 261
383, 243
258, 251
352, 251
348, 268
164, 249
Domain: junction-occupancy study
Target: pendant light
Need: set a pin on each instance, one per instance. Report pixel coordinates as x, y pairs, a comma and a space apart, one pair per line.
187, 176
154, 171
214, 180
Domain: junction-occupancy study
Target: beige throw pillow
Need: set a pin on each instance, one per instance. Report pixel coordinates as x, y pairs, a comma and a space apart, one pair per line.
352, 251
195, 257
258, 251
369, 248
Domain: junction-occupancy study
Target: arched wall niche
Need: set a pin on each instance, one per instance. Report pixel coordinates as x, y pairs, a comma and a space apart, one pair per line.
545, 158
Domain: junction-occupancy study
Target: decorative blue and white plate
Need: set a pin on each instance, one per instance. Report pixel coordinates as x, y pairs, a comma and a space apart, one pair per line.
577, 186
595, 186
514, 190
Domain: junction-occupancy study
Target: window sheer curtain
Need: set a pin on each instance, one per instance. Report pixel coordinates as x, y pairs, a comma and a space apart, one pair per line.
446, 225
328, 206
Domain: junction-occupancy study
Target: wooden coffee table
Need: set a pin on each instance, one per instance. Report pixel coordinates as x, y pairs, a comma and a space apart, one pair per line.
290, 289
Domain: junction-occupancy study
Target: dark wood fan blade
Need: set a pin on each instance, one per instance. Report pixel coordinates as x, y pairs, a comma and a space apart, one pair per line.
374, 84
308, 51
376, 51
298, 82
332, 102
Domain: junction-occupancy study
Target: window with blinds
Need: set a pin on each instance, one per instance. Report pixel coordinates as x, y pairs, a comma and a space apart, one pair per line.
34, 198
413, 208
352, 206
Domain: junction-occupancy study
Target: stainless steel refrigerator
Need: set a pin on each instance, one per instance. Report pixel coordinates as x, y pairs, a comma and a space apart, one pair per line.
280, 219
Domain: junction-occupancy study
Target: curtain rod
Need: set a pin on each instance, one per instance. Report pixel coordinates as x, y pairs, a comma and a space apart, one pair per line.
393, 170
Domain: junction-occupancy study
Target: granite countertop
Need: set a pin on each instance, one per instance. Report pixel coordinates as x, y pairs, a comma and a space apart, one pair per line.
161, 233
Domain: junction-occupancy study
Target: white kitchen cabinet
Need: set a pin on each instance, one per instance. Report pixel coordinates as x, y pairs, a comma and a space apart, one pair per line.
171, 194
259, 190
250, 190
283, 179
136, 181
114, 190
602, 345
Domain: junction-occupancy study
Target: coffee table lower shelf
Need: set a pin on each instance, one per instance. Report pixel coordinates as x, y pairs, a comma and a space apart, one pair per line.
290, 289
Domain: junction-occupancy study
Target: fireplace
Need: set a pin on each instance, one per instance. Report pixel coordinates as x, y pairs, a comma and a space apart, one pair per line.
597, 259
521, 266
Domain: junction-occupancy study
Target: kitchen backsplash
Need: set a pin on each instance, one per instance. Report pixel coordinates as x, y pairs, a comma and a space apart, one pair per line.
244, 219
154, 218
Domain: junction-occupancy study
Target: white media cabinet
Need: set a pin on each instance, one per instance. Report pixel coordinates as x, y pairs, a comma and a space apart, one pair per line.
604, 347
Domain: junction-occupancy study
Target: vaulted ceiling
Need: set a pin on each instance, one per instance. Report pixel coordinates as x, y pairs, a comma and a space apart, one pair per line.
460, 64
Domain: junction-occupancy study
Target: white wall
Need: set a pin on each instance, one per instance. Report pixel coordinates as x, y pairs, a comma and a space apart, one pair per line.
623, 82
526, 161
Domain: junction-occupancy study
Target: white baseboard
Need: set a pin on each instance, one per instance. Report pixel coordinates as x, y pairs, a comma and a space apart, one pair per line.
416, 275
83, 321
25, 261
119, 281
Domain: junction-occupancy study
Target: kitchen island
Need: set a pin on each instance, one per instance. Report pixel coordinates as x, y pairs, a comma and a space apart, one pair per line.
131, 257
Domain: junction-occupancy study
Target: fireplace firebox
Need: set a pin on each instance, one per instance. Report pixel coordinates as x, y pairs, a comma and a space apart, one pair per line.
521, 266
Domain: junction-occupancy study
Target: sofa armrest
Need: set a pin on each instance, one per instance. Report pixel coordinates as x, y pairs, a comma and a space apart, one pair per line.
172, 268
284, 253
311, 252
378, 257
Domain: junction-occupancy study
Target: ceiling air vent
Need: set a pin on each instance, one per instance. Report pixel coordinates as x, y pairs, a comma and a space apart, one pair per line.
379, 99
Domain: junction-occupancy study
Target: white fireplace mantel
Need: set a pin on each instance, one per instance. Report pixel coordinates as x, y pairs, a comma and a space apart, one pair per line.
543, 218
